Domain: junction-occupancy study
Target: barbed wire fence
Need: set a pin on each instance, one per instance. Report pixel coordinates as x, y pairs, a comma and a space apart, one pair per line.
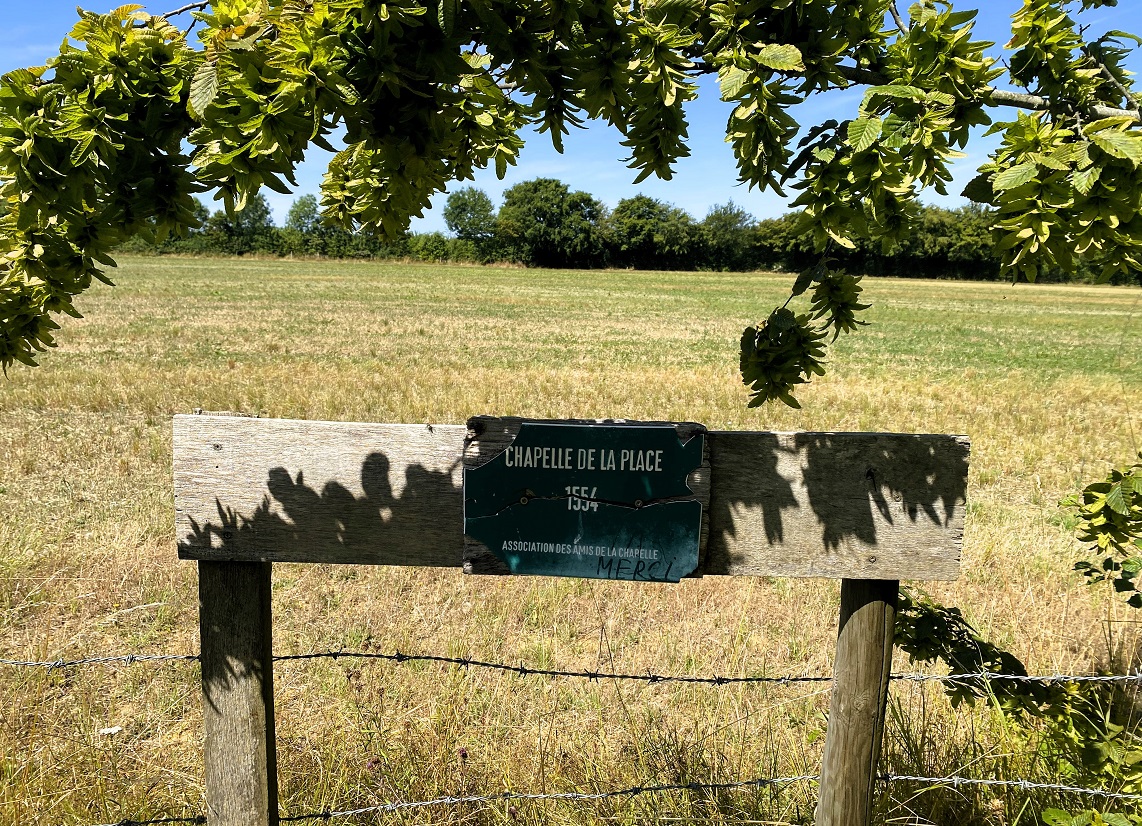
398, 657
650, 677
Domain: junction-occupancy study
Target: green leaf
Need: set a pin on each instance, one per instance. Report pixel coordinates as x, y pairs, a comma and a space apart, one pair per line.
1120, 35
445, 15
203, 89
900, 92
1014, 176
783, 57
1085, 179
732, 80
781, 320
805, 279
1123, 145
1056, 817
82, 150
979, 189
1118, 498
1108, 123
863, 132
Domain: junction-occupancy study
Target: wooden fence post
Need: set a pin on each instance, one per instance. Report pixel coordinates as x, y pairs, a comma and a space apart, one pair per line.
238, 693
860, 694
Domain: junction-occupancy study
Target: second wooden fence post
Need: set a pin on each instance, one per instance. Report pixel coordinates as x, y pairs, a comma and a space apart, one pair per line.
860, 694
238, 693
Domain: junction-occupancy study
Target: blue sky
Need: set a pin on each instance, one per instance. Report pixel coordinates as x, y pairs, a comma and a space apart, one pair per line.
30, 32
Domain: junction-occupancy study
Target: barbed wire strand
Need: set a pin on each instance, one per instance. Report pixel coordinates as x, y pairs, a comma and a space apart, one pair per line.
1136, 677
127, 659
507, 797
523, 670
197, 819
1025, 785
634, 791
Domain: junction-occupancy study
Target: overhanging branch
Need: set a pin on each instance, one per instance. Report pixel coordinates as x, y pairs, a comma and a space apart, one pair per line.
1110, 77
1000, 97
200, 6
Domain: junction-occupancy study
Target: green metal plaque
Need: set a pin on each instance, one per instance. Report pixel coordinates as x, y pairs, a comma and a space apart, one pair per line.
589, 500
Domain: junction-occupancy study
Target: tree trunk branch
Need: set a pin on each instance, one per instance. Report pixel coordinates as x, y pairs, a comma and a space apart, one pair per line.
199, 6
896, 16
1000, 97
1114, 81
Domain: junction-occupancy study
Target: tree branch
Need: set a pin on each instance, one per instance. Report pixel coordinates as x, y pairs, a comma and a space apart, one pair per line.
1131, 103
895, 12
199, 6
1000, 97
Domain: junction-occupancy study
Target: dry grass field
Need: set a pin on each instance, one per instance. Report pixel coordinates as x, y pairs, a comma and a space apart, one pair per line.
1046, 380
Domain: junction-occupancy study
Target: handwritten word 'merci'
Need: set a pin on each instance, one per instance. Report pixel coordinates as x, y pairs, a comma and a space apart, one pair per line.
570, 458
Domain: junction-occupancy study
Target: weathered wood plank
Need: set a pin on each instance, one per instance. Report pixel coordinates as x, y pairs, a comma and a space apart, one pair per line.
860, 695
238, 693
837, 505
298, 491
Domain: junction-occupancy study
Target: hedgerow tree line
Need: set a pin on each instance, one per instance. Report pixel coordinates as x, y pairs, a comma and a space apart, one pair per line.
543, 224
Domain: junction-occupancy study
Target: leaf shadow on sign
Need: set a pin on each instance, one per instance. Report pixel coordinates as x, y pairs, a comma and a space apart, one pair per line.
850, 486
296, 522
851, 483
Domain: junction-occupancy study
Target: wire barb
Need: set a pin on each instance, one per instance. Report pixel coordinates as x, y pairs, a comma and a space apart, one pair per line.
632, 791
649, 677
126, 659
1025, 785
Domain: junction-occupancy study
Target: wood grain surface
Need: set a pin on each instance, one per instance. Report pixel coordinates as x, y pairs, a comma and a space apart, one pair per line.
836, 505
861, 671
235, 623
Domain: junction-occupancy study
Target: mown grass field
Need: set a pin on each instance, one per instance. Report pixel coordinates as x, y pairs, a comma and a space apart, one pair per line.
1046, 380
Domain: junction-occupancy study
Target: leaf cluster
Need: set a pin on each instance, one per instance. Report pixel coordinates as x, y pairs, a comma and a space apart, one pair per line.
90, 155
1110, 522
1067, 186
836, 302
1090, 817
928, 631
1084, 730
787, 350
784, 351
1065, 193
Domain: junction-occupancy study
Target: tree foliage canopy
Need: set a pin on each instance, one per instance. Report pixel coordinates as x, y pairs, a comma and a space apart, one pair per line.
470, 215
542, 222
428, 91
648, 234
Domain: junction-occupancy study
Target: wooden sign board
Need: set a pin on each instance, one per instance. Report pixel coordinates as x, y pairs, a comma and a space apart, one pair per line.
837, 505
602, 500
